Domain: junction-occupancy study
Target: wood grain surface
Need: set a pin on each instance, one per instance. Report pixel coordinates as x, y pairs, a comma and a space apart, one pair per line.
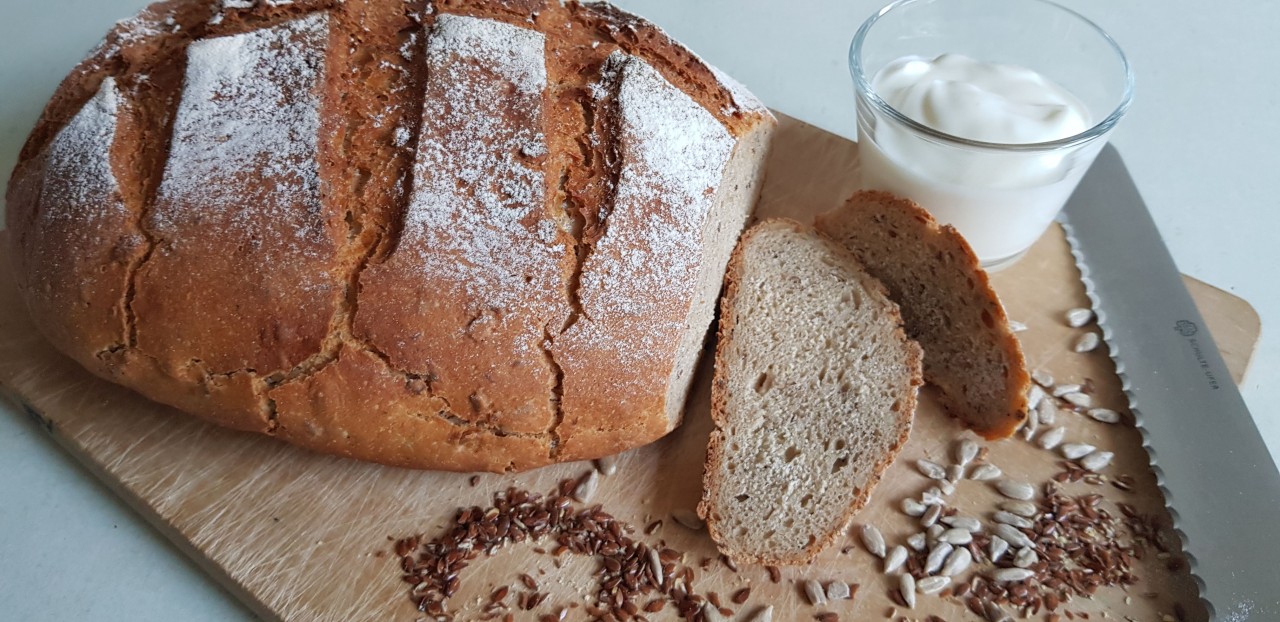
300, 536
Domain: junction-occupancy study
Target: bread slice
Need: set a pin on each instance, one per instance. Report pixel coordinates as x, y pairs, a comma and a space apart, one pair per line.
970, 353
815, 388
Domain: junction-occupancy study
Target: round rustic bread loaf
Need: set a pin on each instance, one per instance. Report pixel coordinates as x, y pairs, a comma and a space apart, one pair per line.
458, 235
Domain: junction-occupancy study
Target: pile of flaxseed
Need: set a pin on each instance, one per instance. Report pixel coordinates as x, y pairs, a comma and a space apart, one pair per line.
633, 578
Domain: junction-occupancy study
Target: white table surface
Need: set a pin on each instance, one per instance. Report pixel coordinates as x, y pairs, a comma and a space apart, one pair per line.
1200, 140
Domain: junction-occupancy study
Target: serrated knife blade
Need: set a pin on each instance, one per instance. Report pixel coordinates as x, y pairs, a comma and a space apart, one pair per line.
1219, 480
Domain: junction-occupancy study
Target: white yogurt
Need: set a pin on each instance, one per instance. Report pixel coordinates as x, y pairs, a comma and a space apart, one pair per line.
1001, 200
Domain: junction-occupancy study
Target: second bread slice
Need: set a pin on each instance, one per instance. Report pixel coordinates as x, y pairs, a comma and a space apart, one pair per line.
970, 353
815, 388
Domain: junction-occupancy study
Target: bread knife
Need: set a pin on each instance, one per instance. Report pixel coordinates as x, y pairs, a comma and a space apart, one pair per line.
1219, 480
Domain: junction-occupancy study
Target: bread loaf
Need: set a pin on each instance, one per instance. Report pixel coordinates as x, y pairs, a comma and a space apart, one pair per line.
970, 353
814, 393
461, 234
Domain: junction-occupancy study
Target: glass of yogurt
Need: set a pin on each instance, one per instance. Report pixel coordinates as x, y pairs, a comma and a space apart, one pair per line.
985, 112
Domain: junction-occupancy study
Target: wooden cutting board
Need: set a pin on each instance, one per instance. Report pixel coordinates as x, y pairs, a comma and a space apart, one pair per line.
300, 536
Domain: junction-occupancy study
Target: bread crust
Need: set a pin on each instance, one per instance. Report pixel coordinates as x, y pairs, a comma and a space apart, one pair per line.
982, 296
303, 321
719, 400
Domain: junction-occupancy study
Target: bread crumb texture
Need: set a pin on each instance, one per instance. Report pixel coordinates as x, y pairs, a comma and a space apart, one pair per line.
814, 394
947, 302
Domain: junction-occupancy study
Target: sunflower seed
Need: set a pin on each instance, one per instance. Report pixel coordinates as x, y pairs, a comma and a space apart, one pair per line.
814, 592
907, 587
985, 472
966, 451
930, 469
1046, 412
947, 487
1079, 317
957, 562
1025, 509
929, 585
997, 548
1042, 378
1087, 342
1009, 518
896, 557
872, 539
607, 465
1011, 575
956, 536
586, 489
937, 557
1097, 460
1064, 389
933, 532
911, 507
1079, 399
966, 523
1105, 415
933, 496
1025, 558
930, 516
918, 541
838, 590
955, 473
1051, 437
688, 518
1030, 426
993, 613
764, 615
1075, 451
1012, 535
1034, 396
655, 564
1015, 490
1016, 326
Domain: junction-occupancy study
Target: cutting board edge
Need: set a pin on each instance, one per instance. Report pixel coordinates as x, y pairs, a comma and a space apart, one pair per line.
83, 459
1249, 313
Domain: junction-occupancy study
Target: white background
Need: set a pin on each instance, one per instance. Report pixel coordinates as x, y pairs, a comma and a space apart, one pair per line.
1199, 140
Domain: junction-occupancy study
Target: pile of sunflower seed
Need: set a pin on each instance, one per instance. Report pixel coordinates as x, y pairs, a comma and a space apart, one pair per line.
1053, 436
1035, 552
1043, 397
931, 559
1040, 547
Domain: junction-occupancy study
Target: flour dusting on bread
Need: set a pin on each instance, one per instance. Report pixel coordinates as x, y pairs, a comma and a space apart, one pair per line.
478, 194
743, 100
673, 154
516, 53
80, 153
249, 109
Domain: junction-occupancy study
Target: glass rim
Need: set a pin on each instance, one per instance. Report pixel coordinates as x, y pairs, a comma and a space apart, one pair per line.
863, 87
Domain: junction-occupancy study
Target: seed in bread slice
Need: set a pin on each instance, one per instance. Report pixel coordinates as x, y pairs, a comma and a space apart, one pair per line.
815, 388
970, 353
